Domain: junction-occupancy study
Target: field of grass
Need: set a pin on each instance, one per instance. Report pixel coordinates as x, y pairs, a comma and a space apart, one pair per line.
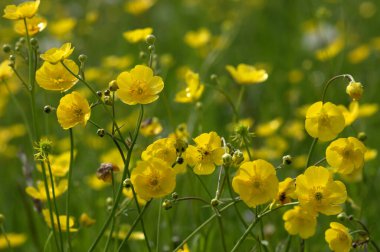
184, 171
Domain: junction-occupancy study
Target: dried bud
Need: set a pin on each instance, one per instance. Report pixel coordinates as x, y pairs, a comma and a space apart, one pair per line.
105, 171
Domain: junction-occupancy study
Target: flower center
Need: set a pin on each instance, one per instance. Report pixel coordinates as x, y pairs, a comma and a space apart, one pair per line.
256, 184
318, 196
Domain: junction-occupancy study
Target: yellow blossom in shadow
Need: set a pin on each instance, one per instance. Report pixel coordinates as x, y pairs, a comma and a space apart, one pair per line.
62, 221
247, 74
206, 154
55, 55
346, 155
40, 193
368, 109
268, 128
153, 178
301, 222
198, 39
62, 27
137, 35
117, 62
318, 192
123, 231
338, 237
24, 10
151, 127
55, 77
359, 54
5, 70
324, 121
193, 91
85, 220
331, 50
127, 192
59, 164
72, 110
35, 24
94, 183
256, 182
350, 114
139, 86
137, 7
15, 240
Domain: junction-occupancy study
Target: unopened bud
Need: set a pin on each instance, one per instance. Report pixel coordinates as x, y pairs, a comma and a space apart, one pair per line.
174, 195
47, 109
2, 219
227, 159
112, 86
179, 160
107, 92
99, 93
151, 48
82, 58
127, 183
150, 39
107, 100
7, 48
34, 42
100, 132
167, 204
342, 216
109, 201
12, 57
237, 157
355, 90
362, 136
287, 160
214, 202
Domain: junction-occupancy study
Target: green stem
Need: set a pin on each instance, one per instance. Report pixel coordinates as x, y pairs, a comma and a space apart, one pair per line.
240, 97
134, 224
312, 147
288, 242
220, 185
203, 185
319, 162
247, 148
192, 198
349, 77
158, 226
5, 236
228, 98
114, 217
48, 240
220, 224
69, 178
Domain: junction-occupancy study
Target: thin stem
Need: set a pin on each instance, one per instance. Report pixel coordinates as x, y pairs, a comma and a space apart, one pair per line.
158, 226
315, 140
5, 236
319, 162
288, 242
203, 185
240, 97
348, 76
220, 224
220, 185
69, 178
114, 217
48, 240
134, 224
247, 148
228, 98
192, 198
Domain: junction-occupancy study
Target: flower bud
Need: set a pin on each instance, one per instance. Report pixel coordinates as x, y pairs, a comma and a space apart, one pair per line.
214, 77
174, 195
180, 146
354, 90
100, 132
287, 160
7, 48
109, 201
127, 183
2, 219
179, 160
47, 109
82, 58
107, 100
342, 216
107, 92
12, 57
142, 55
237, 157
112, 86
214, 202
150, 39
167, 204
227, 159
99, 93
151, 48
34, 42
362, 136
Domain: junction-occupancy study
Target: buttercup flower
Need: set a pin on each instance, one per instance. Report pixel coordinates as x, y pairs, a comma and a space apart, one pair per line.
40, 193
301, 222
256, 182
5, 70
286, 191
206, 154
35, 24
62, 221
246, 74
338, 237
346, 155
193, 91
324, 121
24, 10
137, 35
139, 86
350, 114
197, 39
14, 240
355, 90
55, 55
137, 7
151, 127
73, 109
317, 192
153, 178
55, 77
86, 221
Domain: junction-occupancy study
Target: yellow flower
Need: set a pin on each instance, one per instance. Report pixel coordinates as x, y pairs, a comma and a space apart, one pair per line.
165, 150
256, 182
153, 178
24, 10
127, 192
317, 192
206, 154
324, 121
346, 155
35, 24
40, 193
331, 50
137, 7
268, 128
15, 240
73, 109
59, 164
62, 221
139, 86
185, 248
286, 191
350, 114
56, 77
181, 133
247, 74
368, 109
359, 54
94, 183
5, 70
85, 220
193, 91
338, 237
62, 27
301, 222
355, 90
197, 39
151, 127
55, 55
137, 35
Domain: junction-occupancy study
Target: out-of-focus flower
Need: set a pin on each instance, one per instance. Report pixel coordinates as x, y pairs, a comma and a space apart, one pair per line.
35, 24
62, 27
73, 109
368, 109
198, 39
247, 74
359, 54
346, 155
106, 170
139, 86
301, 222
318, 192
206, 154
59, 164
56, 77
94, 183
193, 91
85, 220
151, 127
117, 62
137, 7
153, 178
62, 221
324, 121
40, 193
137, 35
181, 133
350, 114
14, 240
5, 70
268, 128
24, 10
338, 237
295, 76
55, 55
331, 50
294, 129
256, 182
